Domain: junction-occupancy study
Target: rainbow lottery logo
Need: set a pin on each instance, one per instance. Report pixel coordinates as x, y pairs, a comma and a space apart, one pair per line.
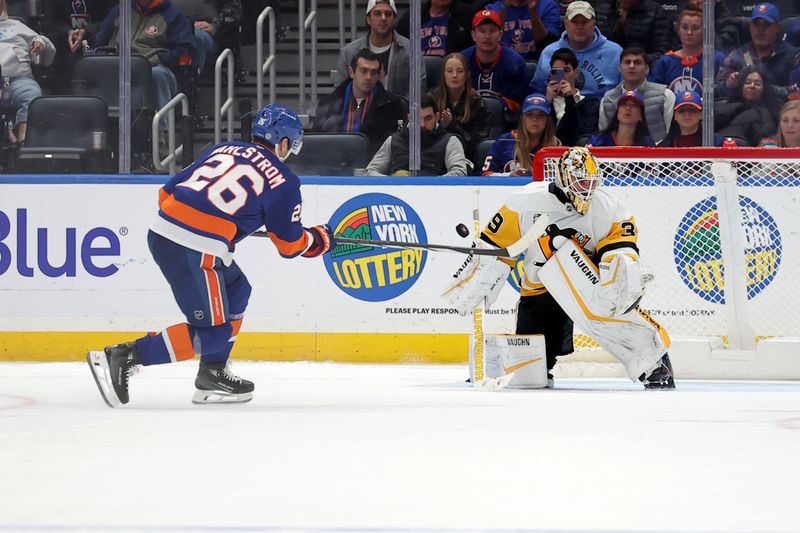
698, 253
366, 272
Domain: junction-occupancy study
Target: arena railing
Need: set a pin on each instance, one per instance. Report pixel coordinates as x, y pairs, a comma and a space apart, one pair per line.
261, 64
227, 106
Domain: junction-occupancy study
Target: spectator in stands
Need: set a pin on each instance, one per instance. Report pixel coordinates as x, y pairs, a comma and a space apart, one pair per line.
462, 110
528, 25
629, 125
441, 153
445, 27
493, 67
391, 48
776, 59
159, 32
512, 153
86, 15
637, 23
361, 104
574, 114
682, 70
687, 122
658, 99
788, 135
211, 19
726, 27
20, 46
64, 17
749, 112
597, 55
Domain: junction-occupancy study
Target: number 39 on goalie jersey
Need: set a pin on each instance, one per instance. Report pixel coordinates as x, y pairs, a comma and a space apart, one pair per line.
228, 193
606, 228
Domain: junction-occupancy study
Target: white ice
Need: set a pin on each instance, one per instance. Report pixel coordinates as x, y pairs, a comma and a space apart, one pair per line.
333, 447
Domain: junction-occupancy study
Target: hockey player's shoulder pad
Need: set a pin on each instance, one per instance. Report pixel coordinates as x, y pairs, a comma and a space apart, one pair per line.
534, 197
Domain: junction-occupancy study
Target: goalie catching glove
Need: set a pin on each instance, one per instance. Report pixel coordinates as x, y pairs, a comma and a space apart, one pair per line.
322, 240
622, 282
479, 277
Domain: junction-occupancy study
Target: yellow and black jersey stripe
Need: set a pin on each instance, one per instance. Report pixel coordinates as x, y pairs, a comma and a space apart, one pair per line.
622, 236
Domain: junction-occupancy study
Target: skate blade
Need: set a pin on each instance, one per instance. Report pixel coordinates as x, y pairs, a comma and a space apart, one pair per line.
203, 397
98, 364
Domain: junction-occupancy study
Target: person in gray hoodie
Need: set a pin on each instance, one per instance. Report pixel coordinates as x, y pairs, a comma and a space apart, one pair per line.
598, 58
19, 47
392, 49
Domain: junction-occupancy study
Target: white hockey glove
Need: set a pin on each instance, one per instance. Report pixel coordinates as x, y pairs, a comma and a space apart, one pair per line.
478, 277
622, 282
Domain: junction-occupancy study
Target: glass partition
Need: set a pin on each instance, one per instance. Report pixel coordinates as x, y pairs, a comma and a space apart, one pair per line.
61, 93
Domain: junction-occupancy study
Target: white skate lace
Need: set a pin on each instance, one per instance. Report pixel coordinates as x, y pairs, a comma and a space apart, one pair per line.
230, 375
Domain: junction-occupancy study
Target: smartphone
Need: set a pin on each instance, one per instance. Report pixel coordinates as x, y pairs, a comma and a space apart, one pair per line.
556, 74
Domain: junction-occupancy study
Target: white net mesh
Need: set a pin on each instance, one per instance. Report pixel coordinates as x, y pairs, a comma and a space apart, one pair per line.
674, 195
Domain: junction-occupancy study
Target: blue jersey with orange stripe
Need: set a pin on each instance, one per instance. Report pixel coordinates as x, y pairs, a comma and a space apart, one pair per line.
232, 190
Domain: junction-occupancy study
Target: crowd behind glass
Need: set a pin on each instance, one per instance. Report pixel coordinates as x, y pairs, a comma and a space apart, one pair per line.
500, 80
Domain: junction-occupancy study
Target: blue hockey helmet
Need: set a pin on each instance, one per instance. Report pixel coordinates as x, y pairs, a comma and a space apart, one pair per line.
275, 122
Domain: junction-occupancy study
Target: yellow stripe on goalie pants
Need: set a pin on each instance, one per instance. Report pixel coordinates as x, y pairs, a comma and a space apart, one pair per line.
573, 281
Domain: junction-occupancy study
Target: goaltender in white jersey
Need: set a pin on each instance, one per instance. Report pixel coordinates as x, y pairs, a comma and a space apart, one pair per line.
584, 269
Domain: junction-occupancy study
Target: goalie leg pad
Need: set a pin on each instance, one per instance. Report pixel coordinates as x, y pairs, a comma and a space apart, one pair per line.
479, 277
514, 361
635, 338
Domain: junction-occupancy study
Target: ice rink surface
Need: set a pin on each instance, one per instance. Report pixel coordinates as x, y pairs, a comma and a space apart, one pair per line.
332, 447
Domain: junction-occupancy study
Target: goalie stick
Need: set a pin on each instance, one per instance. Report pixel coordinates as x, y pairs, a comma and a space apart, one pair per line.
512, 250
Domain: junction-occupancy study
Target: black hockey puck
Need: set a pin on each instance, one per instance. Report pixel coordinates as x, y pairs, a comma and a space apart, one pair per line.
462, 230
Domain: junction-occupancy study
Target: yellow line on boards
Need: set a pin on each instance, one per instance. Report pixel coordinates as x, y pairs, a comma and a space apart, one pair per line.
44, 346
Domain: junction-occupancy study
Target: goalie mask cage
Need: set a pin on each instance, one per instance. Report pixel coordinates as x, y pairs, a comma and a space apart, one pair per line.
720, 229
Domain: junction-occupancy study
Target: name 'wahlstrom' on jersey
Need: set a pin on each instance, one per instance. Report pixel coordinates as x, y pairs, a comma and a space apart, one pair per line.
227, 194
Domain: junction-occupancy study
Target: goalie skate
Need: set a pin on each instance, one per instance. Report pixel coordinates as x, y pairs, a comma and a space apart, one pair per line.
215, 383
661, 377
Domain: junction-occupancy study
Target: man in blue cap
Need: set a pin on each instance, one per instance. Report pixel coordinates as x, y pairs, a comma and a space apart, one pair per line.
777, 59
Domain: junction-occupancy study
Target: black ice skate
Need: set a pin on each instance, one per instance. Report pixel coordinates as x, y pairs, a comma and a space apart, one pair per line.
661, 377
111, 369
215, 383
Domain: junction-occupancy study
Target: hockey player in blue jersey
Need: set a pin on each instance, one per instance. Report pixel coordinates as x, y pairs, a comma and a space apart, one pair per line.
232, 190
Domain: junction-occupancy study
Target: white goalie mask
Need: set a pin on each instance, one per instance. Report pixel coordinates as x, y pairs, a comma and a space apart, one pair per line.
578, 177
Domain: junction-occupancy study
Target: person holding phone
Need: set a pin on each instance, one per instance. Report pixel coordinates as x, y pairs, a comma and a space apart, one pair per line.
574, 114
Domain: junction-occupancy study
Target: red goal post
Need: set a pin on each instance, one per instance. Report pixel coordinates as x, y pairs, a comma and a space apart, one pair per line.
720, 228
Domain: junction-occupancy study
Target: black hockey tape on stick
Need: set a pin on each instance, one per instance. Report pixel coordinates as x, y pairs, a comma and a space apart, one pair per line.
513, 250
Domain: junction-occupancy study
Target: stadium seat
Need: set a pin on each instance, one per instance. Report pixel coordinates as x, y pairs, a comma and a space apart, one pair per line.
433, 70
331, 154
531, 65
497, 109
99, 76
480, 155
60, 132
786, 26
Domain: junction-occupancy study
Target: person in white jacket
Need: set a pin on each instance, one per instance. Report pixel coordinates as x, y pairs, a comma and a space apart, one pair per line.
20, 46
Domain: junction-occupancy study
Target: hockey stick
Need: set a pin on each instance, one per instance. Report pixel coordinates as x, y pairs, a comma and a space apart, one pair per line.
513, 250
476, 360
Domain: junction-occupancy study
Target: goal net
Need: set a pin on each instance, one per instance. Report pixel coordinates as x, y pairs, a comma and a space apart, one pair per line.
720, 228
